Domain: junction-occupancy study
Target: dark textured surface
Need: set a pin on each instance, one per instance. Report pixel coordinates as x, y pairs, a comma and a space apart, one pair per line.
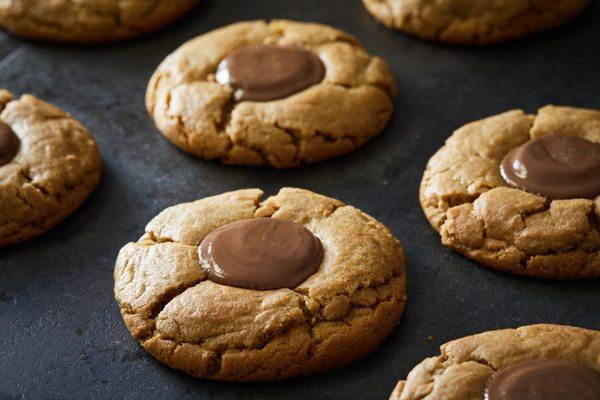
61, 334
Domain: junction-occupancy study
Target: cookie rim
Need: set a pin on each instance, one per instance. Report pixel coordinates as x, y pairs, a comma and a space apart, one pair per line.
382, 12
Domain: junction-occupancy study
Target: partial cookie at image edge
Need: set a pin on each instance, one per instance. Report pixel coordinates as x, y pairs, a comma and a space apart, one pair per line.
480, 24
465, 366
65, 22
467, 201
54, 171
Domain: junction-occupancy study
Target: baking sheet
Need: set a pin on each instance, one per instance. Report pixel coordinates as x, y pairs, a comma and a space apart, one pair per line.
61, 334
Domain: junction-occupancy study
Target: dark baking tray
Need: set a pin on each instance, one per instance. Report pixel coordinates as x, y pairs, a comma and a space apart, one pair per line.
61, 334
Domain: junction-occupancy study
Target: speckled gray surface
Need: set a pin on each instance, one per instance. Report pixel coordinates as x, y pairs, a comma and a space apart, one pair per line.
61, 335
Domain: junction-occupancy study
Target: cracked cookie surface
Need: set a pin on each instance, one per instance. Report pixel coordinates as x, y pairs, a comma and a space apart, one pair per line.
464, 366
470, 22
351, 105
89, 21
339, 314
466, 199
56, 168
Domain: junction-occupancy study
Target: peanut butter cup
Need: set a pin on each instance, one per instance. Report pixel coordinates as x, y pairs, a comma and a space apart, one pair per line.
261, 253
268, 72
544, 379
555, 166
9, 144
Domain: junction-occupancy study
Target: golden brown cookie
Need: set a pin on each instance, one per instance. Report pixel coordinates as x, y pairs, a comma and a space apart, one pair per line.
471, 22
89, 21
52, 168
214, 331
467, 200
465, 366
349, 106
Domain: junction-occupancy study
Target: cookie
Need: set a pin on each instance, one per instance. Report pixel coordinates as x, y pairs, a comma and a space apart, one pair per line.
550, 231
89, 21
473, 22
49, 164
281, 93
202, 293
536, 362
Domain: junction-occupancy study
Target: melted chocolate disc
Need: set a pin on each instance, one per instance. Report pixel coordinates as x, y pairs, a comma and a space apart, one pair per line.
9, 144
260, 253
267, 72
556, 166
544, 380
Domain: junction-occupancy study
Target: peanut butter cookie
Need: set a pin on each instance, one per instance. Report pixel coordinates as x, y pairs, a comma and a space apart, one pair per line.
473, 21
232, 288
536, 362
49, 164
89, 21
521, 193
281, 93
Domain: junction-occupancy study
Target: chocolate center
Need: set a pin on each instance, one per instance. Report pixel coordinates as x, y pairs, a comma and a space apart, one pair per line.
9, 144
556, 166
267, 72
544, 380
260, 253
